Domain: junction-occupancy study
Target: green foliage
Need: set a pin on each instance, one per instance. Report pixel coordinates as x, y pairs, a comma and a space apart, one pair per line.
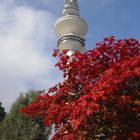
18, 126
2, 113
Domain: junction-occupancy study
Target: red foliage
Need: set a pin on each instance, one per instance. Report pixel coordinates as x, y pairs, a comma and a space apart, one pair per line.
100, 96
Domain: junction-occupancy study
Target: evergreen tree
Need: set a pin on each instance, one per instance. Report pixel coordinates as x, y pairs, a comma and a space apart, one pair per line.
18, 126
2, 113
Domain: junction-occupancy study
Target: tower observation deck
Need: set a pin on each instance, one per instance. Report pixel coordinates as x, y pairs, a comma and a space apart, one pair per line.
71, 29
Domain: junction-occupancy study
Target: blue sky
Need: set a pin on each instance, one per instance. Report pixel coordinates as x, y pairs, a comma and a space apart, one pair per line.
104, 17
27, 38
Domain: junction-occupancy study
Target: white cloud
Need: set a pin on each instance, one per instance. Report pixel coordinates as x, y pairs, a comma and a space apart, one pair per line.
26, 38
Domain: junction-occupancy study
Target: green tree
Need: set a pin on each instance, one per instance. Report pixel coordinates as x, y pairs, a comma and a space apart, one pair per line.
2, 113
18, 126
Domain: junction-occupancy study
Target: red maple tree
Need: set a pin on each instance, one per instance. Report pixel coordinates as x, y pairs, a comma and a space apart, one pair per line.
100, 96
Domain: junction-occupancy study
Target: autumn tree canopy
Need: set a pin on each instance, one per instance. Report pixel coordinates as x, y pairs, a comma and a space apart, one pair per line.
100, 96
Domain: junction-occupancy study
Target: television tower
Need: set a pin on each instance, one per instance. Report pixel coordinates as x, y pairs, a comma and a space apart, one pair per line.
70, 28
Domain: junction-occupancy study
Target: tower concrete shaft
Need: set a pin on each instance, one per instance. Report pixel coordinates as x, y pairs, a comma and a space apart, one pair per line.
71, 28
